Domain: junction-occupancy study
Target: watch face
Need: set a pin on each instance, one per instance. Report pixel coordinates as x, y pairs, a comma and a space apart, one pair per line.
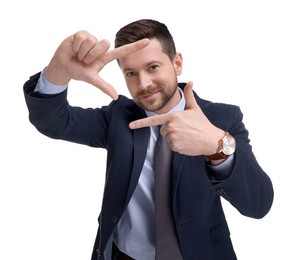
228, 145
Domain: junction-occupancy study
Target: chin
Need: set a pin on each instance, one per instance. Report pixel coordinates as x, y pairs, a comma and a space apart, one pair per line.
151, 108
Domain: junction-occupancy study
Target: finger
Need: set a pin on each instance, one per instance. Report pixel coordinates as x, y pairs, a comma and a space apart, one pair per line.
126, 50
103, 86
98, 49
77, 40
83, 43
149, 121
189, 96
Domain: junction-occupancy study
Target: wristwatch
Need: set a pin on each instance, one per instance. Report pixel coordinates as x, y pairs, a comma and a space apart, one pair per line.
226, 147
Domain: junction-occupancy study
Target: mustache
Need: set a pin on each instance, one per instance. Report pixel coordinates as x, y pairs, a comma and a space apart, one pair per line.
148, 91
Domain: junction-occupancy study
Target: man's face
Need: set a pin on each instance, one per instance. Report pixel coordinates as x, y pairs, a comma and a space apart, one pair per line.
151, 77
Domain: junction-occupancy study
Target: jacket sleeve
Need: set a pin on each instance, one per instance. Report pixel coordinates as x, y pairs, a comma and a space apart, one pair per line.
249, 188
54, 117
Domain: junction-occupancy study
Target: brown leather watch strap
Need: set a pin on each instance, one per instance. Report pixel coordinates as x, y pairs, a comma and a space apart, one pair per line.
216, 156
219, 155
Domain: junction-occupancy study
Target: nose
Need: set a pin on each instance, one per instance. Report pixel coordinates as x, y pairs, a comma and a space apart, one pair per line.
144, 80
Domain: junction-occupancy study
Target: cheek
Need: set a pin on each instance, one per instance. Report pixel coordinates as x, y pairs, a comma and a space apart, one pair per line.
131, 88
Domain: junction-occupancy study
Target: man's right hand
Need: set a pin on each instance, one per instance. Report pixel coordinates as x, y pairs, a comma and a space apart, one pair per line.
81, 57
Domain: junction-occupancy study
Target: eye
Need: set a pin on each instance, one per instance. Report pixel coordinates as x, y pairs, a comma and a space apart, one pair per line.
153, 67
130, 74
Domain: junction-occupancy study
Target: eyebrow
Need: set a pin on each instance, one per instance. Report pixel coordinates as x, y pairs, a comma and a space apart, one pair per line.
148, 64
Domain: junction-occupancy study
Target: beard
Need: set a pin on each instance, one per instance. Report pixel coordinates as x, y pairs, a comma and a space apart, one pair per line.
163, 97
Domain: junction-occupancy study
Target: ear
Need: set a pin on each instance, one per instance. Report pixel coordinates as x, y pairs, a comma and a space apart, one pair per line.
178, 63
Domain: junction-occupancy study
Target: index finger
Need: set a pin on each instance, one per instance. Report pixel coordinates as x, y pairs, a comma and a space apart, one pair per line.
149, 121
126, 49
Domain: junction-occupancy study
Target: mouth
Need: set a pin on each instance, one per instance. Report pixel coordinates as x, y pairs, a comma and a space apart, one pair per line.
149, 95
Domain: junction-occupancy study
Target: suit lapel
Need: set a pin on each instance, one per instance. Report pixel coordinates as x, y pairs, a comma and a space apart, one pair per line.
141, 138
177, 164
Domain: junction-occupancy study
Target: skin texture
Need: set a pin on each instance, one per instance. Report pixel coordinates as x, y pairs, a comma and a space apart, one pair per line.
151, 78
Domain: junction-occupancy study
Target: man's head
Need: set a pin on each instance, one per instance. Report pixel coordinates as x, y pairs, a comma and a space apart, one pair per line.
151, 73
147, 28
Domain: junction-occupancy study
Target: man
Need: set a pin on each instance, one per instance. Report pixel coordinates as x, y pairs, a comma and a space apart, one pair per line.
210, 152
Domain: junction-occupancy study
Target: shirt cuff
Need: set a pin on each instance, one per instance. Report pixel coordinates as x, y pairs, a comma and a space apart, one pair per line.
43, 86
222, 171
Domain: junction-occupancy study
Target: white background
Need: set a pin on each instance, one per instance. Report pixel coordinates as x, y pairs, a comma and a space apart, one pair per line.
239, 52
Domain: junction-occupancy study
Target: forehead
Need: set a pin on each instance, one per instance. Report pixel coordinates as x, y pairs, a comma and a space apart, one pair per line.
152, 52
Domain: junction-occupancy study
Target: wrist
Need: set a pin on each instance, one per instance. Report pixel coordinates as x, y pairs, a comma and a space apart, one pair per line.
226, 147
53, 74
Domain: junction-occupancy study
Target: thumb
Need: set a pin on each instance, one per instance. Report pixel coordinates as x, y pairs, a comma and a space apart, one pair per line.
189, 96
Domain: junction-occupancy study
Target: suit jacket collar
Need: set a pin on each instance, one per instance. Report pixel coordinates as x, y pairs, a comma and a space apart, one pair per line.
141, 138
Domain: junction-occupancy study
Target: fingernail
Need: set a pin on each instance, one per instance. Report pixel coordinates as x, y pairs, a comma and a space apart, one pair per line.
131, 125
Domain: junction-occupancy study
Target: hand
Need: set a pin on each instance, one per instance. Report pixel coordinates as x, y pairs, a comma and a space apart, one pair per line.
81, 57
188, 132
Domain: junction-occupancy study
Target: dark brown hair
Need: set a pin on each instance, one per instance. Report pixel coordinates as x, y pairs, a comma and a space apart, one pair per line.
147, 28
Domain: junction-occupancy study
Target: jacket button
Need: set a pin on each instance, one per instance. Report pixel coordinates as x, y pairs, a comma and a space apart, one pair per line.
220, 191
115, 219
98, 253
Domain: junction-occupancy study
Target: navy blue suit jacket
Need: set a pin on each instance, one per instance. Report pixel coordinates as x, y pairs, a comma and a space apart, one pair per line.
202, 230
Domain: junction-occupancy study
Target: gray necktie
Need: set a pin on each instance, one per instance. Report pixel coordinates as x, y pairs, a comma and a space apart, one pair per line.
167, 247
